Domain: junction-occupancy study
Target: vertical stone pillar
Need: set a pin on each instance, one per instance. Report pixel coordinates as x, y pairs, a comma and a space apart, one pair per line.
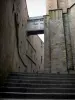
55, 50
71, 14
47, 46
68, 41
58, 51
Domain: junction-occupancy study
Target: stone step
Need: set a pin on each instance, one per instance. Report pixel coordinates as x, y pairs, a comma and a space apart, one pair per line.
42, 75
35, 85
39, 86
37, 90
41, 81
41, 78
19, 95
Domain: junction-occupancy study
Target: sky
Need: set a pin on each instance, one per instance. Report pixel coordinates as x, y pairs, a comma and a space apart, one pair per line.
37, 8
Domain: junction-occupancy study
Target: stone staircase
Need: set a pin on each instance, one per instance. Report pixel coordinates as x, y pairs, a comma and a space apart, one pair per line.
38, 86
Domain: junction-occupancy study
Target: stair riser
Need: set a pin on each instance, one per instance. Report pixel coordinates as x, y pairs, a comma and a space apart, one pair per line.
48, 74
37, 96
37, 90
41, 85
40, 78
42, 82
42, 75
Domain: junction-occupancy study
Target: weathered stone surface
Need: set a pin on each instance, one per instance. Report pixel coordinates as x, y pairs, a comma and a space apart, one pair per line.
50, 5
68, 41
58, 52
63, 4
56, 41
70, 2
13, 39
59, 4
65, 42
6, 37
20, 16
71, 13
47, 46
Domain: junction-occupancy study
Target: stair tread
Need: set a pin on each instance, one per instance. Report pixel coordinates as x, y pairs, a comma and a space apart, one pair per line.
39, 80
42, 74
43, 82
37, 84
39, 93
39, 88
51, 86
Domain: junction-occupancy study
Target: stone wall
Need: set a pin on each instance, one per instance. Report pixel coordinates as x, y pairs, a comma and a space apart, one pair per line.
20, 16
47, 47
55, 4
51, 4
70, 2
13, 39
31, 55
71, 15
7, 31
67, 24
27, 50
38, 56
68, 41
13, 22
55, 42
63, 4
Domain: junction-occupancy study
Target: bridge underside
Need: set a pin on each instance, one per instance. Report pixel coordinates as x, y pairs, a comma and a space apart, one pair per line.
35, 32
